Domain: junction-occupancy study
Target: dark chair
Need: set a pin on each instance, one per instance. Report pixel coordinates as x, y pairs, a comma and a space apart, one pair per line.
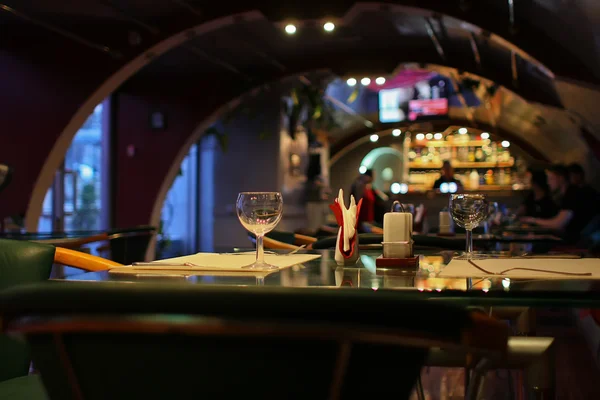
6, 173
151, 341
131, 244
23, 262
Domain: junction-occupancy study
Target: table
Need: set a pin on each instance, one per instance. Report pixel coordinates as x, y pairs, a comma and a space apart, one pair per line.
324, 272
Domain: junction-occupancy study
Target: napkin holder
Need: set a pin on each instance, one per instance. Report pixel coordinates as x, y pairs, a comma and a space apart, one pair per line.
397, 240
348, 256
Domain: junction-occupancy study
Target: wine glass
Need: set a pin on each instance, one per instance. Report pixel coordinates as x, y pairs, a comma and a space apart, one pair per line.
468, 210
259, 213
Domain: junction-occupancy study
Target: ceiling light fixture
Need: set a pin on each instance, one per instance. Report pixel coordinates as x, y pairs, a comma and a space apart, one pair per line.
462, 131
329, 26
380, 81
396, 132
485, 135
438, 136
365, 81
374, 137
290, 29
420, 136
351, 82
505, 143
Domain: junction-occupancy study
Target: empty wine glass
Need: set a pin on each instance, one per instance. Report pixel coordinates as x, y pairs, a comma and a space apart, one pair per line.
468, 210
259, 213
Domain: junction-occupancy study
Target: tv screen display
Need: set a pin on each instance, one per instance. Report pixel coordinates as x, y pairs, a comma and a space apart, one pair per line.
425, 99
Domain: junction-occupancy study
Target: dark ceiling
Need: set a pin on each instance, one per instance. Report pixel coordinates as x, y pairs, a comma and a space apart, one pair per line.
468, 35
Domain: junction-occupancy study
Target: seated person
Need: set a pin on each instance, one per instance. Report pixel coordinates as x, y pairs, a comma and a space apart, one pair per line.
577, 179
539, 203
574, 210
447, 177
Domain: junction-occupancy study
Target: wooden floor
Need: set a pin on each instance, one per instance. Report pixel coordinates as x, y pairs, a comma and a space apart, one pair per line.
577, 376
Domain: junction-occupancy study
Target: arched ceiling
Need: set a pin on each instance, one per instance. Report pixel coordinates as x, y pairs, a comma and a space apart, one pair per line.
541, 28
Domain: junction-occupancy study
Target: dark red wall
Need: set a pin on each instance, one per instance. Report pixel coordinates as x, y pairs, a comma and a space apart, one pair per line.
38, 97
140, 177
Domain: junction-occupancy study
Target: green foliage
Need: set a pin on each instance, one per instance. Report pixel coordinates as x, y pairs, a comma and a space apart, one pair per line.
86, 215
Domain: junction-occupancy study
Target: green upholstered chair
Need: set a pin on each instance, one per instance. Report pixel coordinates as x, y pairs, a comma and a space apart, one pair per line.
116, 341
21, 262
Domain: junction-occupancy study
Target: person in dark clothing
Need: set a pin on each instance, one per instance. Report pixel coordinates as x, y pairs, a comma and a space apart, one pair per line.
447, 176
577, 179
574, 210
539, 203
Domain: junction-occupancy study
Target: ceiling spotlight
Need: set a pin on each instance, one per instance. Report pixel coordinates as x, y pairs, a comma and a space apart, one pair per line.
374, 137
362, 169
429, 136
380, 80
420, 136
396, 132
365, 81
351, 82
290, 29
505, 143
329, 26
395, 188
485, 135
438, 136
462, 131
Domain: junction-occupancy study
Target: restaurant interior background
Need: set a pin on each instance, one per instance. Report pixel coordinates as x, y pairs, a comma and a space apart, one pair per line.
160, 112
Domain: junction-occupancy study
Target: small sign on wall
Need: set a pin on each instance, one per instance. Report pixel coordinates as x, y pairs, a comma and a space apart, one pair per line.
158, 121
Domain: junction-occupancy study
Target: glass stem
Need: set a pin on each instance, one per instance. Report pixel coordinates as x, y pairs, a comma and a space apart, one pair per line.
260, 251
469, 233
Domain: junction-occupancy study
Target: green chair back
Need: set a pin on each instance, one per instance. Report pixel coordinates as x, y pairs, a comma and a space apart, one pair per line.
160, 341
21, 262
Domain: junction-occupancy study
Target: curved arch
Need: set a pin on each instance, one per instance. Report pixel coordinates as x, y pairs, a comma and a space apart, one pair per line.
56, 155
57, 152
374, 154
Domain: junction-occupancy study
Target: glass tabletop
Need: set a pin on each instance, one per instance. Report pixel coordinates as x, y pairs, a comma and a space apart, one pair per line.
422, 281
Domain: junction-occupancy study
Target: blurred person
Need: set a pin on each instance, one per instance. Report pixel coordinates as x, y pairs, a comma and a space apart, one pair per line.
447, 176
577, 179
574, 210
539, 203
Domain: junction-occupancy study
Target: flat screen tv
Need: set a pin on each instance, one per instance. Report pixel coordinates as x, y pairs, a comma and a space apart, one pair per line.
425, 99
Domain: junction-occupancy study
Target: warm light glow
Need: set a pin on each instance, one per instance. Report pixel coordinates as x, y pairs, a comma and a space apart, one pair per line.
374, 137
506, 283
362, 169
365, 81
429, 136
462, 131
395, 188
380, 80
351, 82
420, 136
396, 132
438, 136
329, 26
505, 143
290, 29
485, 135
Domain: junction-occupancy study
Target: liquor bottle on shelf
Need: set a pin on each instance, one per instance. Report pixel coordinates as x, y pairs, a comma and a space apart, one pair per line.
479, 155
471, 155
474, 180
494, 155
489, 177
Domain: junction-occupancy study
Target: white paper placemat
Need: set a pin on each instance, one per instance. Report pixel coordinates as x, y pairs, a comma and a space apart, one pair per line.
546, 268
222, 262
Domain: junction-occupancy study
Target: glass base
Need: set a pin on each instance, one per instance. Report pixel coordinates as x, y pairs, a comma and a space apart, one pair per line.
472, 256
261, 266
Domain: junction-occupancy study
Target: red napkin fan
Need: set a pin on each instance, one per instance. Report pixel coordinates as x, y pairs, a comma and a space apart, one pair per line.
336, 207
